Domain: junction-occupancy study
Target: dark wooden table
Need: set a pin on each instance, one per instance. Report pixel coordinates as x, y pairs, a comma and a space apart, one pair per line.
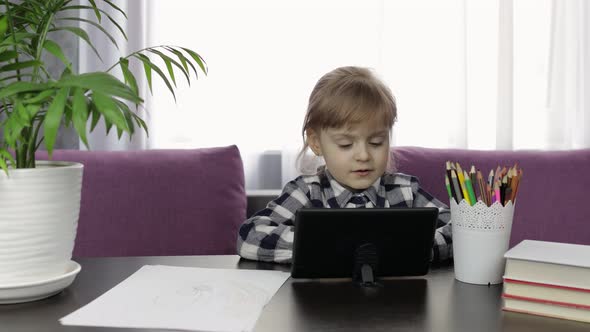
435, 302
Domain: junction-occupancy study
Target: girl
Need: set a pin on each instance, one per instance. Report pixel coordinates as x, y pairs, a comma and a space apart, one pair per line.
348, 122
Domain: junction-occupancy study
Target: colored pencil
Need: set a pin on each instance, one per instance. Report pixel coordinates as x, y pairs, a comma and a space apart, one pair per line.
455, 183
497, 191
448, 186
509, 185
469, 187
513, 184
508, 195
448, 165
473, 178
482, 188
497, 174
501, 184
462, 183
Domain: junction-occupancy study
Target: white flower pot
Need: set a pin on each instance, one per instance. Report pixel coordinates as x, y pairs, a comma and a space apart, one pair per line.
39, 210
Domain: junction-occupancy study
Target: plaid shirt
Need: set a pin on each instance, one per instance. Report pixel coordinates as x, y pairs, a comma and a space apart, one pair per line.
268, 235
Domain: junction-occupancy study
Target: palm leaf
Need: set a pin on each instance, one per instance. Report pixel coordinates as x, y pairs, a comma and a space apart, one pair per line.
21, 114
54, 48
40, 97
12, 129
18, 46
168, 64
33, 109
198, 59
168, 60
107, 124
22, 19
80, 114
53, 118
20, 65
95, 8
3, 25
95, 116
147, 61
141, 123
129, 78
41, 33
37, 6
96, 25
8, 55
80, 33
127, 114
4, 156
102, 83
116, 8
21, 76
18, 87
147, 69
3, 163
17, 38
183, 59
109, 109
68, 113
100, 12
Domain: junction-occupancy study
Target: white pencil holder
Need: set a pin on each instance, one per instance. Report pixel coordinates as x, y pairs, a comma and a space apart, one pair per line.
481, 236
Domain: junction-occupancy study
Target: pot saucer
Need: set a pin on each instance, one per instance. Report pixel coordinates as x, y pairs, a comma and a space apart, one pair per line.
39, 289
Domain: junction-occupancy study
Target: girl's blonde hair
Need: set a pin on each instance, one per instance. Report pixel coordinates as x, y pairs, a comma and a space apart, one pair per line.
346, 96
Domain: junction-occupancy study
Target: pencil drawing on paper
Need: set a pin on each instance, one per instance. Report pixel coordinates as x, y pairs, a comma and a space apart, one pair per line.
218, 295
185, 296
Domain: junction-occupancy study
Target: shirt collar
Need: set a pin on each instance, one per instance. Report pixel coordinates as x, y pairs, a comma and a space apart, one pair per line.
344, 195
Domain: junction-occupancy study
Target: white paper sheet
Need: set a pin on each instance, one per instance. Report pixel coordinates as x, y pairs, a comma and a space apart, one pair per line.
196, 299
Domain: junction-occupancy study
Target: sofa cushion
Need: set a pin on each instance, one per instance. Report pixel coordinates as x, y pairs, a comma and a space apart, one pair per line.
552, 200
159, 202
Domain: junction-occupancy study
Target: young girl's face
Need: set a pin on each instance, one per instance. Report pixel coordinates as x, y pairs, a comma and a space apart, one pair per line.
355, 155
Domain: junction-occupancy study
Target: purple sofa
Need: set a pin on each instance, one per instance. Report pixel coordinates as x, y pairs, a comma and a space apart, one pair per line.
552, 202
159, 202
191, 202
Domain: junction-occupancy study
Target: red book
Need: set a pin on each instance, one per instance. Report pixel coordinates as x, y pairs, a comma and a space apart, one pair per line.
546, 308
559, 294
551, 263
548, 279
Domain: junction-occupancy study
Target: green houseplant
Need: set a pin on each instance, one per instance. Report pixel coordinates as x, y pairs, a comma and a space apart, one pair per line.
40, 200
31, 99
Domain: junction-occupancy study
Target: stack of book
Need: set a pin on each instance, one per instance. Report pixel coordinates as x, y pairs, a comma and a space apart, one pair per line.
548, 279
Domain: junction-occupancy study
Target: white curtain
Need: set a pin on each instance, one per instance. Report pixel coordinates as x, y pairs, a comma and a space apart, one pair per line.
569, 76
490, 74
136, 30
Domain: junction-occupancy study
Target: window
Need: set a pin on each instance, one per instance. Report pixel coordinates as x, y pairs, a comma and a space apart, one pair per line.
440, 59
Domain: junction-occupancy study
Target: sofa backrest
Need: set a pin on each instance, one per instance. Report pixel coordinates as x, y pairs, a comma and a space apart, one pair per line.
158, 202
552, 202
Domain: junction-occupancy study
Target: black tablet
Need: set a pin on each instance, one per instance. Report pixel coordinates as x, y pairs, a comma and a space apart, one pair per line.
358, 243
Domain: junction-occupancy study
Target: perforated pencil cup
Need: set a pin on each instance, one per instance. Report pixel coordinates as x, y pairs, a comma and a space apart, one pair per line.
481, 235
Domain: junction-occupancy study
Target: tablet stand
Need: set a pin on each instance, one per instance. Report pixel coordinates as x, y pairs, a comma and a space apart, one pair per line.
366, 261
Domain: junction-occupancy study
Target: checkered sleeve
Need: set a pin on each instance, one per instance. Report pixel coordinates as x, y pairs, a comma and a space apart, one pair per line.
268, 234
443, 243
